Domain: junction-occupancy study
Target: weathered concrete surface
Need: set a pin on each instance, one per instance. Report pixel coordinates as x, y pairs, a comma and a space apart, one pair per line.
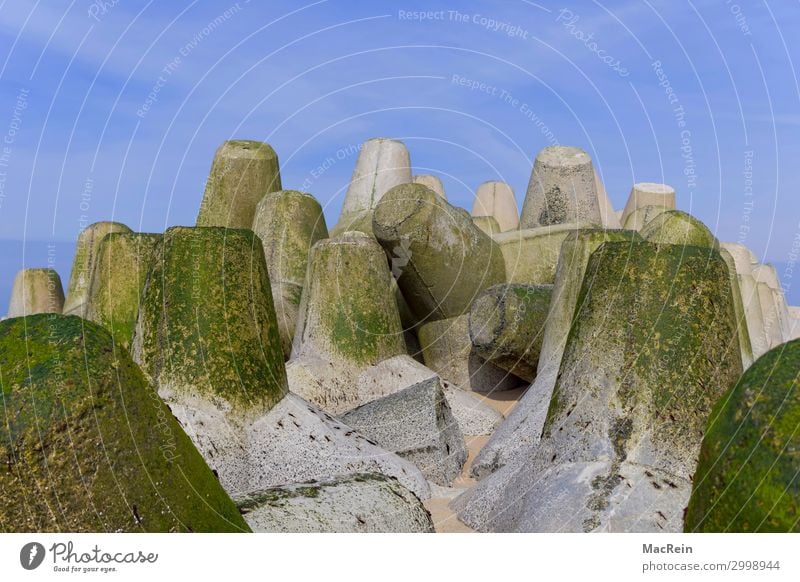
207, 337
382, 164
523, 427
115, 293
432, 182
496, 199
288, 223
561, 190
297, 442
774, 310
36, 291
418, 425
531, 255
447, 350
360, 503
653, 346
487, 224
675, 227
746, 480
441, 260
794, 330
745, 345
608, 216
348, 321
745, 262
643, 216
506, 326
88, 446
242, 172
645, 194
83, 264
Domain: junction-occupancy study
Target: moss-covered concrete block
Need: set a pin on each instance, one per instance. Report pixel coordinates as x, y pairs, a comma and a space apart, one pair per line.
675, 227
242, 172
88, 446
643, 216
36, 291
441, 260
531, 254
523, 427
487, 224
447, 350
653, 346
506, 326
432, 182
348, 320
288, 223
644, 194
382, 164
115, 292
83, 264
496, 199
562, 189
746, 479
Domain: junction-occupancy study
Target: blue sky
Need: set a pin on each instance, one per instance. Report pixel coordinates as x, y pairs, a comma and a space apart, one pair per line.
473, 93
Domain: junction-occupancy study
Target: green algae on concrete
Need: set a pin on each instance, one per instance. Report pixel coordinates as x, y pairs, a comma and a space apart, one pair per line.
115, 292
506, 325
88, 446
36, 291
288, 223
207, 326
675, 227
487, 224
531, 254
242, 172
441, 260
83, 265
643, 216
747, 479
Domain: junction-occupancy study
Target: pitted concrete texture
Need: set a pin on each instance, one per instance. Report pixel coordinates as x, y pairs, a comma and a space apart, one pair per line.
382, 164
36, 291
441, 260
523, 427
447, 350
83, 264
242, 172
432, 182
359, 503
506, 326
649, 194
621, 439
288, 223
675, 227
417, 424
561, 190
497, 199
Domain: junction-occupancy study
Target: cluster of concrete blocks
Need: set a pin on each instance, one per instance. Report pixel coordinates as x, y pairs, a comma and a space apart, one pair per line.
329, 377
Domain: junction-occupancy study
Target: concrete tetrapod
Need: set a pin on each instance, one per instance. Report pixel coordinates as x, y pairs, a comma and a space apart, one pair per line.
506, 326
645, 194
447, 350
80, 276
746, 480
382, 164
775, 312
207, 337
745, 344
745, 261
531, 254
441, 260
242, 172
487, 224
432, 182
89, 446
360, 503
288, 223
523, 427
562, 189
36, 291
115, 292
675, 227
497, 199
609, 218
348, 321
653, 347
641, 217
418, 425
